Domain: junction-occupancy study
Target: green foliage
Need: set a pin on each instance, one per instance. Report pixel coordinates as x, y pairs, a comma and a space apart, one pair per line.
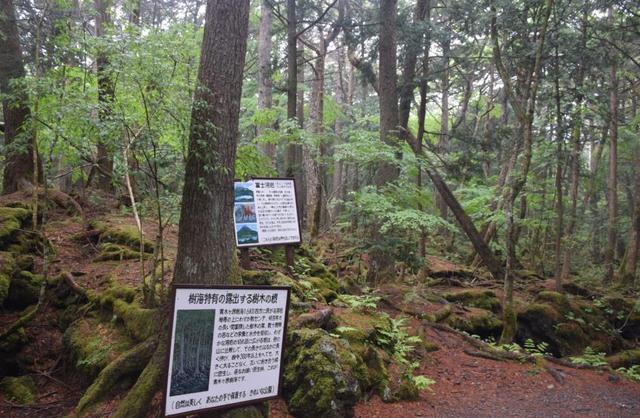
98, 352
394, 211
392, 335
632, 372
362, 303
590, 358
536, 349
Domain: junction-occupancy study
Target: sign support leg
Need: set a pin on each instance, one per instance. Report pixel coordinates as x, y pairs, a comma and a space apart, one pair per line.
289, 256
245, 260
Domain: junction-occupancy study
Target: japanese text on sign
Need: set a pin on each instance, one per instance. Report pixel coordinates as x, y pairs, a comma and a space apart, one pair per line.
226, 347
265, 212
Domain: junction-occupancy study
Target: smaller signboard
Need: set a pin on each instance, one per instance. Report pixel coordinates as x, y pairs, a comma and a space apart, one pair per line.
226, 347
265, 212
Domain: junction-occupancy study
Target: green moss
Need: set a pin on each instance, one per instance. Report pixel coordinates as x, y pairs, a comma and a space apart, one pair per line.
571, 338
5, 282
323, 376
374, 359
357, 326
477, 322
256, 277
19, 389
139, 322
24, 290
11, 221
324, 283
110, 251
12, 343
92, 344
477, 298
510, 325
626, 358
121, 234
136, 402
442, 313
558, 300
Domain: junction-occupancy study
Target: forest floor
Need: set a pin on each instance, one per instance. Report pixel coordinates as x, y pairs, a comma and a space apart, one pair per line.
465, 385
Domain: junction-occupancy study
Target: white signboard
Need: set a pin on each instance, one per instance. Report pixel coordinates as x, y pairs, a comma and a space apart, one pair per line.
265, 212
226, 346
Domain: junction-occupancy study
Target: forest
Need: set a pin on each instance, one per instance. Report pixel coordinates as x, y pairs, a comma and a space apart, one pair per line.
468, 187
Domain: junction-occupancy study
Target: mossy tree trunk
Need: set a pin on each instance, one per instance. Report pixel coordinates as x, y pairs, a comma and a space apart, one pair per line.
19, 140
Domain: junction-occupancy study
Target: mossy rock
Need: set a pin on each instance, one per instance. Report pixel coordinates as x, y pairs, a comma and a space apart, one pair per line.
571, 338
625, 358
12, 220
476, 298
121, 234
357, 327
323, 376
5, 283
92, 344
24, 290
477, 322
21, 390
558, 300
116, 252
256, 277
10, 345
375, 360
567, 325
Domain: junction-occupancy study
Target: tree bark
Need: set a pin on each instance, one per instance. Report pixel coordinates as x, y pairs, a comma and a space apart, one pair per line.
106, 96
264, 74
381, 263
206, 250
575, 165
19, 139
612, 178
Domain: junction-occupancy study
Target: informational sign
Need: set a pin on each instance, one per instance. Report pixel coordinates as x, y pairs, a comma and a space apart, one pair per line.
226, 346
265, 212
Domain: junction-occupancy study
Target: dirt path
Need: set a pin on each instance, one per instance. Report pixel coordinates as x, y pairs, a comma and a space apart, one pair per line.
468, 386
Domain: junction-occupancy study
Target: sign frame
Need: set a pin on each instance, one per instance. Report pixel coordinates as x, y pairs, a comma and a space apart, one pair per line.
295, 194
174, 288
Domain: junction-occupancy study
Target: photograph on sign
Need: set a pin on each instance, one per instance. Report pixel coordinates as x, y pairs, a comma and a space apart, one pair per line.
265, 212
226, 346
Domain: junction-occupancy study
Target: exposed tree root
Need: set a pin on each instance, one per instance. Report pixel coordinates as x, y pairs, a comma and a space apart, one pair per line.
129, 362
68, 279
138, 399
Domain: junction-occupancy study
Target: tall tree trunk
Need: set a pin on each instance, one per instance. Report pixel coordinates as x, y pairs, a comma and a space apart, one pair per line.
612, 178
381, 262
524, 107
206, 253
312, 162
106, 95
629, 266
264, 74
575, 164
559, 174
443, 139
292, 79
19, 140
